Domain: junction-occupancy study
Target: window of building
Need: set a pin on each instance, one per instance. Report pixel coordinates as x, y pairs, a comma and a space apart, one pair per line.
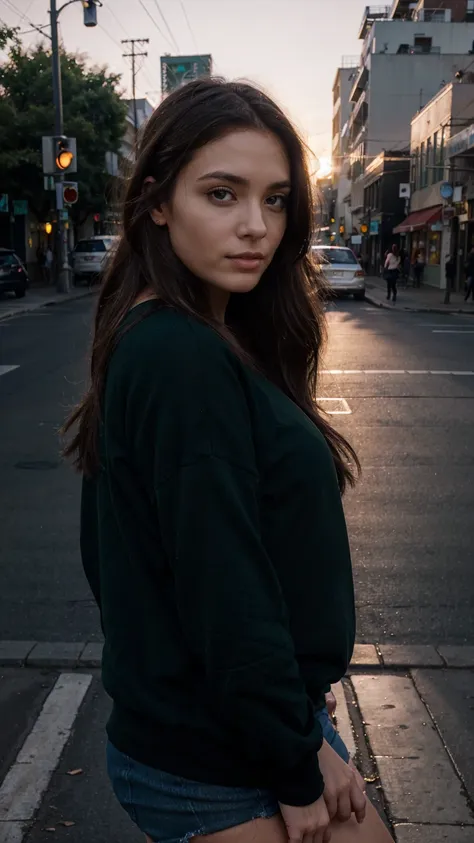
423, 170
415, 169
435, 15
439, 173
429, 162
434, 248
423, 44
470, 10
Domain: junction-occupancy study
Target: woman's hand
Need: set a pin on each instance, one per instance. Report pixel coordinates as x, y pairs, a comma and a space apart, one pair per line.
309, 824
343, 793
331, 703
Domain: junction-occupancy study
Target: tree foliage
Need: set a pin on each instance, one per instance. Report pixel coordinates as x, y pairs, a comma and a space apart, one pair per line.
93, 113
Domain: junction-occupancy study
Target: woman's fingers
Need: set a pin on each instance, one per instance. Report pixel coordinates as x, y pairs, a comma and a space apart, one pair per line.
358, 801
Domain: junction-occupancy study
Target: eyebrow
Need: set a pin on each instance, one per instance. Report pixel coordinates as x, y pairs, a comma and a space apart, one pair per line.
233, 179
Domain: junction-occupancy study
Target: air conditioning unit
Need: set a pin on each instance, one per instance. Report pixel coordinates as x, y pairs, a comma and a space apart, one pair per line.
404, 191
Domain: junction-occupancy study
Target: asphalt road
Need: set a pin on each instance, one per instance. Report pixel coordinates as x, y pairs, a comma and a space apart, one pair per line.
410, 518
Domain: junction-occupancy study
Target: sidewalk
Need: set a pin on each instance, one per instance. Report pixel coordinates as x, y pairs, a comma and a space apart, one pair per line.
419, 300
404, 713
38, 297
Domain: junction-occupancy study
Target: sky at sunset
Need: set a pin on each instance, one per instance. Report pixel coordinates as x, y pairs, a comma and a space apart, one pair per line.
289, 47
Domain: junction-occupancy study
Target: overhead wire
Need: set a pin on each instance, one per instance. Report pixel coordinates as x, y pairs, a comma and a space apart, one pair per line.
167, 25
156, 25
189, 25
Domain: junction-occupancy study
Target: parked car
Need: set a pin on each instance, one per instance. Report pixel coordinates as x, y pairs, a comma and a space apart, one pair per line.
90, 257
13, 275
341, 270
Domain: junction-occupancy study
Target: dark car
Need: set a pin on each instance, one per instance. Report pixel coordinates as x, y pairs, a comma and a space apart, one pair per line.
13, 275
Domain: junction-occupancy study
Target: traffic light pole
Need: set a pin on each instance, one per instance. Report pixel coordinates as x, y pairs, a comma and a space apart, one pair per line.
63, 282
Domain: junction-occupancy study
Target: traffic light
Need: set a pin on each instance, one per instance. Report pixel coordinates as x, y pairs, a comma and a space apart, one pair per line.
90, 12
341, 229
64, 155
70, 192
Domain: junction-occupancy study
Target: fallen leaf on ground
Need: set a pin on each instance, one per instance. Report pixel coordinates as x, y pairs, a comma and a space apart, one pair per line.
50, 829
75, 772
370, 779
67, 823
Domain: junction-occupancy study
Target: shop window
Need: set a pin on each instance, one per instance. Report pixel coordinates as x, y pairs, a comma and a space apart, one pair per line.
434, 248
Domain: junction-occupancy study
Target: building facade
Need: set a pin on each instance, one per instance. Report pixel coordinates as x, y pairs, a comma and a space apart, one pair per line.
340, 165
386, 180
438, 184
401, 43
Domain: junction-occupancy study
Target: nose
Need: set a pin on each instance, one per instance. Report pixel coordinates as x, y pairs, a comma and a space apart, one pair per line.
252, 223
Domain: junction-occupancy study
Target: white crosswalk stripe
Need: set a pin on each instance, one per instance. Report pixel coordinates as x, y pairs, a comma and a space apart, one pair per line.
5, 369
29, 777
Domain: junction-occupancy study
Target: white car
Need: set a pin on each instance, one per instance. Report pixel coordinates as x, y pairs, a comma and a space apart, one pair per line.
341, 269
90, 257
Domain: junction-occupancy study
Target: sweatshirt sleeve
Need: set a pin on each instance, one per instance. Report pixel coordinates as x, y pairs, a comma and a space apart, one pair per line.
230, 603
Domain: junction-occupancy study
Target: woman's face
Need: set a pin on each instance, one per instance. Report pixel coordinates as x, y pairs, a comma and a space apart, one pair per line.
227, 215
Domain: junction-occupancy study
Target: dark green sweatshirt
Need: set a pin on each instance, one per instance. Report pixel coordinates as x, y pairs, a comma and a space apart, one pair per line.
214, 540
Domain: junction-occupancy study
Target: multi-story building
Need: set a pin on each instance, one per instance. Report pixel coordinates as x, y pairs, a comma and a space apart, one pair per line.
439, 183
340, 122
386, 190
408, 54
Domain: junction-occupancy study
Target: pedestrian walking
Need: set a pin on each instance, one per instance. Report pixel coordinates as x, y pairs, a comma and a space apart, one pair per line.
418, 267
48, 264
470, 276
392, 272
212, 528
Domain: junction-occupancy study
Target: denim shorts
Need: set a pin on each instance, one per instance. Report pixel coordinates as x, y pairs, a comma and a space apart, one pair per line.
170, 809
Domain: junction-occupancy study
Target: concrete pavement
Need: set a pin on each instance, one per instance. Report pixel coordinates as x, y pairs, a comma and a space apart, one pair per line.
39, 297
411, 733
416, 300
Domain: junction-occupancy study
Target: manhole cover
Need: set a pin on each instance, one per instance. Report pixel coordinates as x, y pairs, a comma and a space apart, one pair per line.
38, 465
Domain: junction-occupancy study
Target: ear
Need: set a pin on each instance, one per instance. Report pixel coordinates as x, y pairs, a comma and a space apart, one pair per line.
157, 214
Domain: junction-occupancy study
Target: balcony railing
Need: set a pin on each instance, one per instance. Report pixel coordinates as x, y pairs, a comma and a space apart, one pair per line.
371, 14
348, 62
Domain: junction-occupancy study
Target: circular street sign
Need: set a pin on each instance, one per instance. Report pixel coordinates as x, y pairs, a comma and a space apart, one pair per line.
446, 190
70, 195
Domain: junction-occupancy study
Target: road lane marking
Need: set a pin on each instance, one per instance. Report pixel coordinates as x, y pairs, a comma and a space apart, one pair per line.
395, 372
5, 369
452, 331
27, 780
340, 409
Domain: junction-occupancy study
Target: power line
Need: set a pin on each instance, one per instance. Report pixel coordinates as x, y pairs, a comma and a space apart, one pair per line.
189, 25
156, 25
167, 26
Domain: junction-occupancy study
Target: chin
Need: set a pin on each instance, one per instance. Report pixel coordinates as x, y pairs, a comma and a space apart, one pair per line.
244, 283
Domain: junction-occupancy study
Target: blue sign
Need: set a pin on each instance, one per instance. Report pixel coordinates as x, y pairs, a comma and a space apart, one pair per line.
3, 203
374, 227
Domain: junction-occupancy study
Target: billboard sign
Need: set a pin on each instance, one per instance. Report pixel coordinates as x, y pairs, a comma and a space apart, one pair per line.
176, 71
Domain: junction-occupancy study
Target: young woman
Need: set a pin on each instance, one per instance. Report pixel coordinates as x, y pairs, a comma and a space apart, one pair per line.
213, 534
392, 272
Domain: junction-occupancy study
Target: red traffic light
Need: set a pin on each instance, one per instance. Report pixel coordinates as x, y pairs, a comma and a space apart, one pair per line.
96, 217
70, 194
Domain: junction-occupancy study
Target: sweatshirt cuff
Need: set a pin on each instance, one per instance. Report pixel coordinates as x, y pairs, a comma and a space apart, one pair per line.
303, 785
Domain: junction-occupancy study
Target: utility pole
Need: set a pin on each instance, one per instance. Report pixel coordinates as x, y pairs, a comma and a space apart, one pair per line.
134, 55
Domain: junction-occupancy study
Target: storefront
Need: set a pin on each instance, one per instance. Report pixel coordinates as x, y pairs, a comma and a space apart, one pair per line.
422, 233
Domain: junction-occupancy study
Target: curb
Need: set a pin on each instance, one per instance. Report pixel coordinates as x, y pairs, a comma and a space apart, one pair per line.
29, 308
367, 657
439, 310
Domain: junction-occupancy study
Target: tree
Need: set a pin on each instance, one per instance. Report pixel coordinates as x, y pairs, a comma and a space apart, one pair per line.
93, 113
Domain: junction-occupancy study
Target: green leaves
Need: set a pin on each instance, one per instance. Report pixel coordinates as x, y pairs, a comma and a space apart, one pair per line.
93, 113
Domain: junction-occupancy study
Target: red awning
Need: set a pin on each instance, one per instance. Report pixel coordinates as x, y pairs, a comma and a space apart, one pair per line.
419, 220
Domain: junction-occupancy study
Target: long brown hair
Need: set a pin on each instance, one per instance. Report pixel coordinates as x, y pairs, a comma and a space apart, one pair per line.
279, 327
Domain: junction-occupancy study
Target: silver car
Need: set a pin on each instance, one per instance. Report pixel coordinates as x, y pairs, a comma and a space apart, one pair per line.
341, 269
90, 257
